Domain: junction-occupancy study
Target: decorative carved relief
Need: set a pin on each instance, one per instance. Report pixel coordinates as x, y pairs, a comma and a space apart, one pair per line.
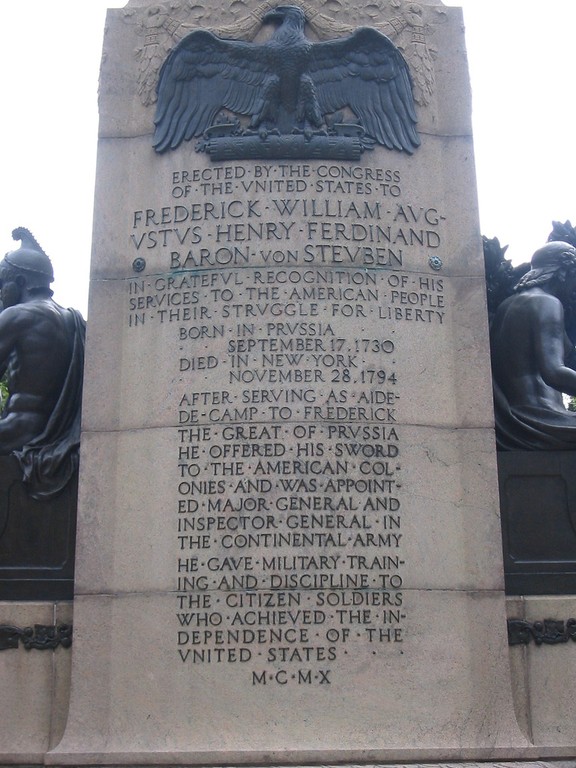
547, 632
294, 91
162, 26
39, 637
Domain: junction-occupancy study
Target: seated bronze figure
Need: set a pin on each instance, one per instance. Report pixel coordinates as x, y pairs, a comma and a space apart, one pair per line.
533, 359
42, 356
41, 360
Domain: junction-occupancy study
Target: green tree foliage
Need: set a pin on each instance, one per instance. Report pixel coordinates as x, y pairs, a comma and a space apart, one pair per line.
3, 392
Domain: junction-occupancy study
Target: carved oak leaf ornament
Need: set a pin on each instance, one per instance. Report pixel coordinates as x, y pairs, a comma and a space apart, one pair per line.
158, 30
410, 35
286, 83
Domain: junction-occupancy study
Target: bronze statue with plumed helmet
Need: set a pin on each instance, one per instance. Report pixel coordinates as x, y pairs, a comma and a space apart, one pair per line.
41, 356
29, 261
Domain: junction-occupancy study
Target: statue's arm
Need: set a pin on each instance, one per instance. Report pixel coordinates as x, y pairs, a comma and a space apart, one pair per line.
549, 345
570, 355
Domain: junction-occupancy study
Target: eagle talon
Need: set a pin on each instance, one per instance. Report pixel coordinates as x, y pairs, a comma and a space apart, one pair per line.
308, 133
265, 132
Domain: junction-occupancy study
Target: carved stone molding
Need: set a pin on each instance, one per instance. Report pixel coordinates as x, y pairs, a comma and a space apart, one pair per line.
547, 632
40, 637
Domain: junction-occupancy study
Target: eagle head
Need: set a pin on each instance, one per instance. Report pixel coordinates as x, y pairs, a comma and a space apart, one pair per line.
285, 13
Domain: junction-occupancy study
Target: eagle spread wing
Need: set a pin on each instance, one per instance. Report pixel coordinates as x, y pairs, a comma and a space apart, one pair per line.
367, 73
364, 72
203, 74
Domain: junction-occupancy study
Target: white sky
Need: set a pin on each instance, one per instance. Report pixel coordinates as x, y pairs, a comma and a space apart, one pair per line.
522, 66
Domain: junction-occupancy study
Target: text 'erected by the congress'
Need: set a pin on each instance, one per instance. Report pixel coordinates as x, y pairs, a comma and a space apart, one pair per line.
283, 287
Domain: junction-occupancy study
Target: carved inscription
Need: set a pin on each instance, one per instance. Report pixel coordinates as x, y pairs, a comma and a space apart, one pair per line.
282, 287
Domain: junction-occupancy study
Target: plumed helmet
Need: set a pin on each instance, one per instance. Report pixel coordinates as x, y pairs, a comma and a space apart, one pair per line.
30, 260
555, 258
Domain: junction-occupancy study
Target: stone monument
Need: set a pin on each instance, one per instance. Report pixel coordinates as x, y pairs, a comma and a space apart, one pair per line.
289, 546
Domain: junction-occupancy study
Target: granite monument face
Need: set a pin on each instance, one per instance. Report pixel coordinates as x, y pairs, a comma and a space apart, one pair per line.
289, 545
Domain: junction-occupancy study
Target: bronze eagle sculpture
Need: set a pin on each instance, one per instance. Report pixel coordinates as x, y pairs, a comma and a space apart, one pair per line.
286, 84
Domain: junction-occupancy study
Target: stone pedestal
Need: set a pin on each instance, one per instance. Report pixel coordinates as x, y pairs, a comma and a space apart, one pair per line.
37, 539
34, 680
544, 671
538, 506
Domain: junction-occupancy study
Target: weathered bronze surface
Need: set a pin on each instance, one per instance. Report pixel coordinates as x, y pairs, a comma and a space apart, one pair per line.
531, 309
547, 632
538, 512
39, 637
533, 358
42, 358
287, 85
